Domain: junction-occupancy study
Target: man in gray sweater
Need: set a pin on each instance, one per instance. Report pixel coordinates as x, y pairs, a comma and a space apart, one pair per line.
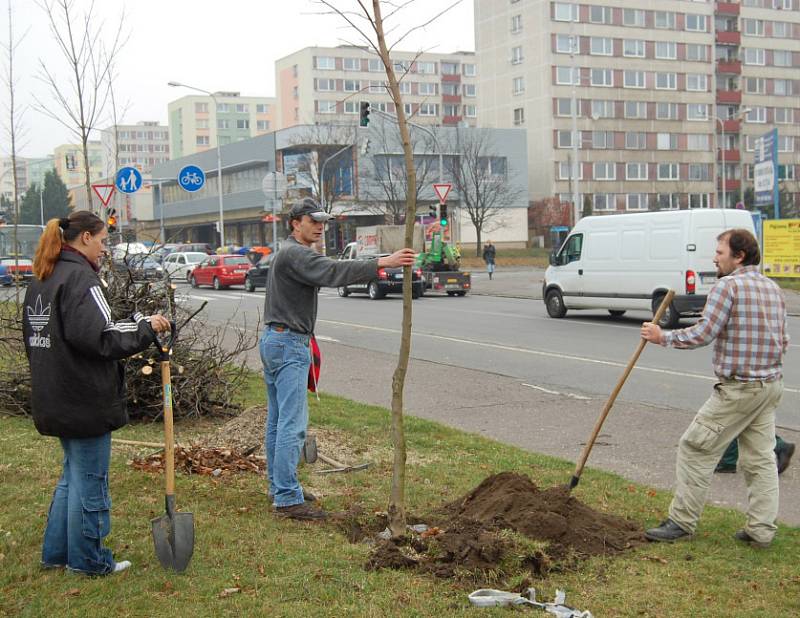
290, 311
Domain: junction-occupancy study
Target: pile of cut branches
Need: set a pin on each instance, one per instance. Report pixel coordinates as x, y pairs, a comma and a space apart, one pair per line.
15, 383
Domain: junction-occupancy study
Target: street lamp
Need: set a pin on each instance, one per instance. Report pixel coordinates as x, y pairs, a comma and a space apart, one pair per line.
736, 116
219, 157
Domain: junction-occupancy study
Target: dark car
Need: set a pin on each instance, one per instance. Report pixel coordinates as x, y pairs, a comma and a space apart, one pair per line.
388, 281
256, 277
141, 267
15, 268
162, 251
199, 247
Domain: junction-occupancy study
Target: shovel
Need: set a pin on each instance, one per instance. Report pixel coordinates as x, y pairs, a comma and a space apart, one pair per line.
576, 477
173, 533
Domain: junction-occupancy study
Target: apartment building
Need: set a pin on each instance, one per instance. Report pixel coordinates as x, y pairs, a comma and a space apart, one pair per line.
326, 84
37, 168
670, 95
68, 163
200, 122
7, 177
141, 145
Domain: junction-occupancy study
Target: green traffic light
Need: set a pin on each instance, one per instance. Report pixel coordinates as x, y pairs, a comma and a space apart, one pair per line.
443, 222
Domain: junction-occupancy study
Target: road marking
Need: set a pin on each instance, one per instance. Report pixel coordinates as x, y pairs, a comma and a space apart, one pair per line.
326, 338
543, 353
550, 392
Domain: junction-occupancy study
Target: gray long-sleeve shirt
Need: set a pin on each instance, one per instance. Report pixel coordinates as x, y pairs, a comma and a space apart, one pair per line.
295, 276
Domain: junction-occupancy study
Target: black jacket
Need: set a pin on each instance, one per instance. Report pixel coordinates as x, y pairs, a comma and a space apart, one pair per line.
74, 348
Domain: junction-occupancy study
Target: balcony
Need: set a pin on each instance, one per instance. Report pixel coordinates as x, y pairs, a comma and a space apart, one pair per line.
451, 78
729, 97
451, 120
731, 184
729, 66
730, 156
451, 98
727, 8
729, 37
730, 126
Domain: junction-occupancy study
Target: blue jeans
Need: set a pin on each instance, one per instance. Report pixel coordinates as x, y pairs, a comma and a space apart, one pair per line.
80, 513
286, 357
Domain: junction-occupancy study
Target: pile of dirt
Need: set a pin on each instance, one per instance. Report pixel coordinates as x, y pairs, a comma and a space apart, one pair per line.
244, 432
473, 531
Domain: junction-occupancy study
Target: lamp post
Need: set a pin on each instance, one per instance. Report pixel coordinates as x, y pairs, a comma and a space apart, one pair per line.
736, 116
322, 182
219, 157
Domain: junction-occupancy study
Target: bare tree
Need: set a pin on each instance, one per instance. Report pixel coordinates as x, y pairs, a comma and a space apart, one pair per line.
369, 24
482, 179
79, 102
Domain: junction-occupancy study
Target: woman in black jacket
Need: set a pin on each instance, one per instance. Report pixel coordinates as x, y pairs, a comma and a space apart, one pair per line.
78, 391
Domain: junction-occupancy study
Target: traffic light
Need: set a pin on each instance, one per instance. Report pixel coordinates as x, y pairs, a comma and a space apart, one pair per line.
433, 211
363, 117
443, 216
111, 220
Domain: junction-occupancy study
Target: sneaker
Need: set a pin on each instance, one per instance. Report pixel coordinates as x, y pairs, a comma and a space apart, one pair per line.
725, 468
742, 536
303, 511
667, 532
122, 565
784, 456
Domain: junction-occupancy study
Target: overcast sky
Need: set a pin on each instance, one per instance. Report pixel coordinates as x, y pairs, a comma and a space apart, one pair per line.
211, 44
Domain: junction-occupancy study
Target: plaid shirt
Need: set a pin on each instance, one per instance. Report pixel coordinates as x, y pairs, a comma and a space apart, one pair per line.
746, 314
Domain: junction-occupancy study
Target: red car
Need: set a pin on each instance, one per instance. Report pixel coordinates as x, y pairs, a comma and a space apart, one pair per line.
220, 271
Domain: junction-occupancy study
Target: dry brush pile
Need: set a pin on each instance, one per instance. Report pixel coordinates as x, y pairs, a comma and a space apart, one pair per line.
208, 366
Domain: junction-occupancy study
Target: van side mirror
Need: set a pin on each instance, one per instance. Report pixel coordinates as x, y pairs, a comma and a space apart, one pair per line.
553, 258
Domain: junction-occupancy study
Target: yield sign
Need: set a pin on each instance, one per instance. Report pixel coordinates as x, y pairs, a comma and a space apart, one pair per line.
104, 192
442, 191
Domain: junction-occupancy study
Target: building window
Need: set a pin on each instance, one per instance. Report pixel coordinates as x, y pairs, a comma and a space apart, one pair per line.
243, 124
602, 108
326, 85
633, 79
780, 30
698, 200
201, 124
566, 44
262, 108
516, 24
668, 201
667, 141
633, 48
635, 140
755, 85
242, 108
567, 75
404, 87
427, 89
757, 114
668, 171
565, 171
564, 139
784, 115
600, 15
696, 82
666, 81
563, 106
352, 85
449, 68
469, 69
695, 23
519, 116
603, 201
516, 55
753, 55
432, 109
223, 108
782, 87
566, 11
666, 50
262, 125
666, 111
696, 52
753, 27
633, 17
469, 90
351, 107
377, 87
201, 108
326, 63
402, 66
635, 109
636, 201
375, 65
518, 85
602, 140
605, 170
601, 46
351, 64
636, 171
201, 140
470, 111
786, 143
699, 171
602, 77
664, 20
782, 58
697, 111
426, 68
697, 141
223, 124
326, 107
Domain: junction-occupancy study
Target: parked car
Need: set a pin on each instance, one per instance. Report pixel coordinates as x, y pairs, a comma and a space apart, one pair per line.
197, 247
220, 271
119, 251
141, 267
388, 281
257, 276
179, 265
162, 251
15, 268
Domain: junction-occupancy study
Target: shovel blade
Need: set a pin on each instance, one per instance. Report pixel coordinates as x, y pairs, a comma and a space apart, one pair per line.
173, 537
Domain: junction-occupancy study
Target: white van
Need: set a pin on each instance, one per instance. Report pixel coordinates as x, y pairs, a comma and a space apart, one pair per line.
627, 262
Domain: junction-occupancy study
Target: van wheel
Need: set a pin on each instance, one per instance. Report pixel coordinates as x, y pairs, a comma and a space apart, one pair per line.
616, 313
344, 292
555, 304
670, 318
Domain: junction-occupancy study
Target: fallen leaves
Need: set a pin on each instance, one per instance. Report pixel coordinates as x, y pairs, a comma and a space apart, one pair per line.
209, 461
226, 592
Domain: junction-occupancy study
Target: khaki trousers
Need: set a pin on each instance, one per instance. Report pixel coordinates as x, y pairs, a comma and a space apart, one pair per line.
746, 410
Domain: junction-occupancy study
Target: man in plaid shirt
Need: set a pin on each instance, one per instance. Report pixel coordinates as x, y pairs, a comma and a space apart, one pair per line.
745, 316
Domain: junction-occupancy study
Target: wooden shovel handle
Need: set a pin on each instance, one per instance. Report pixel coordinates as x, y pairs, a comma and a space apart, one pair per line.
169, 438
607, 408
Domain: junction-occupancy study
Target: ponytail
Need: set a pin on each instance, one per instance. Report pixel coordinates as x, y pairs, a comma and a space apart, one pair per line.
60, 231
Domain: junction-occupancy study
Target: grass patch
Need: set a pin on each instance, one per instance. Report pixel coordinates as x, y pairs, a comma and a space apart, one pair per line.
291, 569
535, 257
788, 283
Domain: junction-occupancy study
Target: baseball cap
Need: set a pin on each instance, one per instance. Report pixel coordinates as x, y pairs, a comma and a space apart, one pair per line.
309, 206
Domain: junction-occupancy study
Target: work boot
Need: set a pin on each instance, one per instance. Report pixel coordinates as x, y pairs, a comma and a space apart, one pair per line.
742, 536
784, 456
667, 532
308, 496
304, 512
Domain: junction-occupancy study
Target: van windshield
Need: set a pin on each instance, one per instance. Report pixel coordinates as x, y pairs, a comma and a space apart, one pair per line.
571, 252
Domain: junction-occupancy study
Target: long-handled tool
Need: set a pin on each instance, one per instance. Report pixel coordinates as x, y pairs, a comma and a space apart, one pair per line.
576, 477
173, 533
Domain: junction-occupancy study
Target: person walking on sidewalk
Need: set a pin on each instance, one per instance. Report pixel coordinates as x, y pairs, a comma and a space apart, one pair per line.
489, 254
290, 312
78, 389
745, 315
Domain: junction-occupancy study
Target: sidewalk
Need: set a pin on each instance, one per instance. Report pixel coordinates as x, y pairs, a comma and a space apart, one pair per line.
521, 282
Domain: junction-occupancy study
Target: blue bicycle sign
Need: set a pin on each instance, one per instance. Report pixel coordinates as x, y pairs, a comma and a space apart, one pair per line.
191, 178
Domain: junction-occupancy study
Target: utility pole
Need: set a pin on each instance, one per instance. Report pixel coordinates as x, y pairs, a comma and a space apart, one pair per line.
574, 74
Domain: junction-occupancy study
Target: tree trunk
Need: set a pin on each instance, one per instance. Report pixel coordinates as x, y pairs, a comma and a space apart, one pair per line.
477, 241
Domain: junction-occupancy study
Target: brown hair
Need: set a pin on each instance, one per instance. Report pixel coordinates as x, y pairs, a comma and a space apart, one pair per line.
743, 241
58, 232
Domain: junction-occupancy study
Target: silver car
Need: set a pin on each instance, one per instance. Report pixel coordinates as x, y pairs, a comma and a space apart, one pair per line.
180, 265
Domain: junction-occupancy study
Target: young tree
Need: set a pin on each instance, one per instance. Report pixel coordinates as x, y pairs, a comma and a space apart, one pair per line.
482, 180
80, 99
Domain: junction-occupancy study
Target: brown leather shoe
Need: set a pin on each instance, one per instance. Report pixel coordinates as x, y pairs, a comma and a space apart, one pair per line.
303, 512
